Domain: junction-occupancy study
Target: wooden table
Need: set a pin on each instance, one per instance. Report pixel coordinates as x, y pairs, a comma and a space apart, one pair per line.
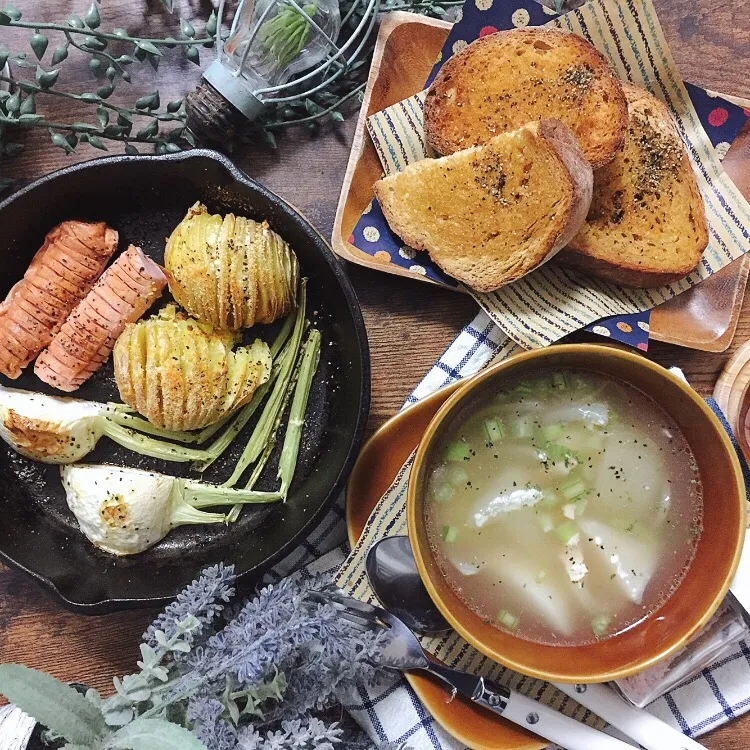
409, 325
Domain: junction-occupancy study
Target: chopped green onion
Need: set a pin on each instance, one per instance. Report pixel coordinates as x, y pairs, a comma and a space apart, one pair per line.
443, 493
457, 474
449, 534
525, 388
553, 431
546, 522
458, 450
507, 619
600, 625
493, 430
550, 499
573, 489
566, 531
559, 381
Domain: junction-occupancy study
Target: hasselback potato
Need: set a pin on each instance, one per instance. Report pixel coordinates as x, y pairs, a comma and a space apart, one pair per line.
230, 271
182, 375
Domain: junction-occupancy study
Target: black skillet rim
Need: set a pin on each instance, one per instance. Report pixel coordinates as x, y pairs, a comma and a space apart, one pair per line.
110, 605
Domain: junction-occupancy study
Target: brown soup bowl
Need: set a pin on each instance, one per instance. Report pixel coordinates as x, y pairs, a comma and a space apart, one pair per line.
707, 581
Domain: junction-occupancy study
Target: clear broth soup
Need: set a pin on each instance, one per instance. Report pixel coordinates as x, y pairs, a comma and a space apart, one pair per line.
565, 508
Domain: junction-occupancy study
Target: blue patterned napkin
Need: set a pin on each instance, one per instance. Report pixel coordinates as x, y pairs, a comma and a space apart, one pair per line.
721, 120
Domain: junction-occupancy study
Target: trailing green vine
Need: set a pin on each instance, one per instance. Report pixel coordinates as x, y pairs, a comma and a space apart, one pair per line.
32, 79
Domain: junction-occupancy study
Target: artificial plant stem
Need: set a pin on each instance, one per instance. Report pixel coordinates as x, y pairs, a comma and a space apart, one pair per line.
162, 116
106, 35
263, 429
293, 437
148, 446
322, 113
63, 126
102, 52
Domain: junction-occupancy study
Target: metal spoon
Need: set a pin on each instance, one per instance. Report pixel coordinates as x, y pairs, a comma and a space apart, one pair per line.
395, 580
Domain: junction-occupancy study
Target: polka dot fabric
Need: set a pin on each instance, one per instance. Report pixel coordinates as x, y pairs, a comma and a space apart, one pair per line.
721, 119
372, 236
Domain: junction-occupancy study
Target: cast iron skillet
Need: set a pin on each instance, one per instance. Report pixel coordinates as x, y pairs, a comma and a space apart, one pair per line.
144, 198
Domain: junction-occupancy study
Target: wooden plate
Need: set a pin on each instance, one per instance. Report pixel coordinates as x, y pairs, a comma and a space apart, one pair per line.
379, 461
703, 318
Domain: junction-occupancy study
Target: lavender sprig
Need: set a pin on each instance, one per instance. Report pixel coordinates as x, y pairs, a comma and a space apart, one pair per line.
204, 599
266, 680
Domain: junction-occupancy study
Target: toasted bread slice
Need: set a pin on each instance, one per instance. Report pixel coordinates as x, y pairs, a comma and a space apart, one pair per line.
647, 221
490, 214
506, 79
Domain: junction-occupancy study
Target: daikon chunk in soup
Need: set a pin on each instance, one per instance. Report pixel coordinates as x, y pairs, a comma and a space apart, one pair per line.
565, 507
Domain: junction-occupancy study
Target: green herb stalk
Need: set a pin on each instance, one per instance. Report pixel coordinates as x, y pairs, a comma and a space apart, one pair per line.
217, 448
264, 428
293, 437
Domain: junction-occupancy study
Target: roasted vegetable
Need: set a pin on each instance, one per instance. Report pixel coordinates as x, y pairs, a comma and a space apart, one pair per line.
181, 375
63, 430
230, 271
126, 511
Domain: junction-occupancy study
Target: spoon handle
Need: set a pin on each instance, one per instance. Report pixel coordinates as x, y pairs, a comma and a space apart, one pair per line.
526, 712
652, 733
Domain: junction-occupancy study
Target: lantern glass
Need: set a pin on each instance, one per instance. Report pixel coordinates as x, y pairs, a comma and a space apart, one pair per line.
273, 40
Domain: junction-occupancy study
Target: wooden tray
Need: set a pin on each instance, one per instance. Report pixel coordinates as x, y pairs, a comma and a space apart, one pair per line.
703, 318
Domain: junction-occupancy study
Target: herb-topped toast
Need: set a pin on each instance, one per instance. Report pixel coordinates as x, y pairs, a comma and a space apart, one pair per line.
504, 80
647, 223
490, 214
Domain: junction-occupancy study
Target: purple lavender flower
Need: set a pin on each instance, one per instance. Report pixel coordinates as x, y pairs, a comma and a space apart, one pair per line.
204, 599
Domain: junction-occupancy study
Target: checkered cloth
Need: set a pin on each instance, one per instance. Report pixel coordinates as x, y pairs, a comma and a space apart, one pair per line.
392, 712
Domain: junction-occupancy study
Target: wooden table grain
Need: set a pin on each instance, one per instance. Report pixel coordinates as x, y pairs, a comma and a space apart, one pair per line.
408, 324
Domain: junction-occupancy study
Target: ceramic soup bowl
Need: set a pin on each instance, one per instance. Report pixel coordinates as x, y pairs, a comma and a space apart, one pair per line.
707, 581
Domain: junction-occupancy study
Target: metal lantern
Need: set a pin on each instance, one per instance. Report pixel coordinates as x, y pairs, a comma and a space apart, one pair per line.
277, 51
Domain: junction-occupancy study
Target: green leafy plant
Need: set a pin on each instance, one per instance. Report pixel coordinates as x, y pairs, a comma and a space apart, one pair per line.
80, 720
286, 34
112, 54
115, 54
